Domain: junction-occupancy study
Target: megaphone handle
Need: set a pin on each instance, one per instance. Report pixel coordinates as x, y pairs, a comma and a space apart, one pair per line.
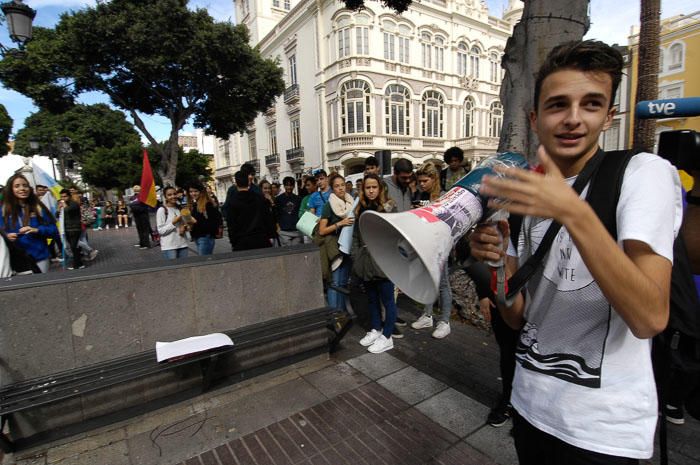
494, 219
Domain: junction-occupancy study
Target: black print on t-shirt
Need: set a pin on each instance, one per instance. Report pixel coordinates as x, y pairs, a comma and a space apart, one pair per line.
568, 317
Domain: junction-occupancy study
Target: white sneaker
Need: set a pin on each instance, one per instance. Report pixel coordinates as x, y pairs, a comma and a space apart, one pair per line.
425, 321
370, 338
382, 344
442, 330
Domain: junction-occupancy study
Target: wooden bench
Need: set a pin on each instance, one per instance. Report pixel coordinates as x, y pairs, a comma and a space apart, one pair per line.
32, 393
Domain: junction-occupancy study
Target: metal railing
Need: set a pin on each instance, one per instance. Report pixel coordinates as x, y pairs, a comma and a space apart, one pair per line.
272, 159
295, 154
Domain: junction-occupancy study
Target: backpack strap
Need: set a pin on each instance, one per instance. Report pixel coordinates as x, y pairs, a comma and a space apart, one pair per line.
525, 272
606, 186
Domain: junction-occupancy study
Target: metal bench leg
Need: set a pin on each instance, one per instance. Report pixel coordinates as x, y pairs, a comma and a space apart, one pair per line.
207, 367
6, 445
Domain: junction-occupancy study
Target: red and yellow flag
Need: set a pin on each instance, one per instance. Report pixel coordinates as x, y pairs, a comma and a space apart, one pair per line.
148, 185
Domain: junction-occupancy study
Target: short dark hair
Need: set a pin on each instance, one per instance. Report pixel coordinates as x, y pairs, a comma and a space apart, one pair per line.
241, 178
453, 152
288, 180
371, 161
275, 183
41, 185
248, 169
586, 55
403, 165
64, 191
311, 178
196, 185
320, 172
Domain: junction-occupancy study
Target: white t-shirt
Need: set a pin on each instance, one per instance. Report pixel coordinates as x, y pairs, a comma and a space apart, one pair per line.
170, 239
581, 375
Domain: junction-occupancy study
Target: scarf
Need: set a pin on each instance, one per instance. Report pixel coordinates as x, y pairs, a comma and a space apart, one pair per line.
341, 207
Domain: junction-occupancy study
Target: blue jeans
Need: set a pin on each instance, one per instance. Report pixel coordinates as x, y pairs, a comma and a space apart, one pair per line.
445, 297
205, 245
339, 278
172, 254
383, 290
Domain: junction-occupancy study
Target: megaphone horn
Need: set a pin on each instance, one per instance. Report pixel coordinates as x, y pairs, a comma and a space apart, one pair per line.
412, 247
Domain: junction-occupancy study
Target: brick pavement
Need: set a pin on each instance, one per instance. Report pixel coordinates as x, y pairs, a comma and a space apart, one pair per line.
367, 425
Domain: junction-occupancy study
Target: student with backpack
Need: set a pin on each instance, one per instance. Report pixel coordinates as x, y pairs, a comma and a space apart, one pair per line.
584, 389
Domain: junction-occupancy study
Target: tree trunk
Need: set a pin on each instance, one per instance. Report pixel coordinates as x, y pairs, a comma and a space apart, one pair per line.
647, 72
168, 162
544, 25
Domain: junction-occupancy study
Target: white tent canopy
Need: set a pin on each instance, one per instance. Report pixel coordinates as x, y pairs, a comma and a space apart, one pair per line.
11, 163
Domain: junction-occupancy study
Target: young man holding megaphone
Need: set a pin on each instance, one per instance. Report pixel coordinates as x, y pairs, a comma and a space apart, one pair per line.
584, 389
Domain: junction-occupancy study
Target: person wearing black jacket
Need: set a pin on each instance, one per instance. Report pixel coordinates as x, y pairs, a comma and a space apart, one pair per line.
250, 221
72, 226
287, 205
141, 217
207, 217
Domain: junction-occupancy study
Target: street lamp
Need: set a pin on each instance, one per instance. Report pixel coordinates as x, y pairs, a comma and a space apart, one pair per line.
19, 23
61, 147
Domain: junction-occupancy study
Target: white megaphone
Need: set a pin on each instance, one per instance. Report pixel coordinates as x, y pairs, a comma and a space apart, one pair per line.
412, 247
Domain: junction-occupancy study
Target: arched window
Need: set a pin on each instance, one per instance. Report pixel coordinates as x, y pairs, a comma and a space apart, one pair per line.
462, 53
474, 62
397, 112
427, 49
675, 57
469, 119
495, 64
439, 53
495, 119
344, 42
355, 107
432, 108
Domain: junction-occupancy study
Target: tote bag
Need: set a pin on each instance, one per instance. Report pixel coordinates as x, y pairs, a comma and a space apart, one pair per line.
307, 223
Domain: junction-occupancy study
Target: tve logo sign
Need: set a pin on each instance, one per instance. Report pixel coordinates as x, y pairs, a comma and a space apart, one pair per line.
670, 108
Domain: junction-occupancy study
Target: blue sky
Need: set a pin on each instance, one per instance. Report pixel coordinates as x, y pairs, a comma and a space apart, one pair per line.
610, 22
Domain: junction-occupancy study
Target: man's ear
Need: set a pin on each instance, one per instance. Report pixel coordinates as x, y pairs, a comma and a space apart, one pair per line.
609, 118
533, 121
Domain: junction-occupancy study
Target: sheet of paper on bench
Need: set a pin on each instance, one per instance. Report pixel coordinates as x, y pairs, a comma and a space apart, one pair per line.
191, 345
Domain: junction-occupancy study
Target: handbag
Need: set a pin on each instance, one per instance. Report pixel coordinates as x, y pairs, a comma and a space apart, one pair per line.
307, 223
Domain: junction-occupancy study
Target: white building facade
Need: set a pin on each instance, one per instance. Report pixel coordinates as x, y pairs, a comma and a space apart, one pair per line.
358, 82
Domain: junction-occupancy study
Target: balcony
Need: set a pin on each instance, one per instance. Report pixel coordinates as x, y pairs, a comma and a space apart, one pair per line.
256, 164
295, 155
272, 160
291, 94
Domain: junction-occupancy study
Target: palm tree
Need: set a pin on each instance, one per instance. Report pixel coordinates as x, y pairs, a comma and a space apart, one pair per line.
647, 71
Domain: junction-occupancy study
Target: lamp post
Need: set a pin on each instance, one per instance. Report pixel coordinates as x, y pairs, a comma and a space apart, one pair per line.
59, 148
19, 23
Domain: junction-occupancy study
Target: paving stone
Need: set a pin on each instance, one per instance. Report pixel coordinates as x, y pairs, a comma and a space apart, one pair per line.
225, 455
375, 366
462, 454
336, 379
497, 443
170, 443
113, 454
411, 385
455, 412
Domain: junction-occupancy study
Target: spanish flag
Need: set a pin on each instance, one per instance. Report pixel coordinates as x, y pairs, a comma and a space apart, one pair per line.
148, 185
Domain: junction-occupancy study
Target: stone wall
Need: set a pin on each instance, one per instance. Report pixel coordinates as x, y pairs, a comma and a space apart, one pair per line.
53, 323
